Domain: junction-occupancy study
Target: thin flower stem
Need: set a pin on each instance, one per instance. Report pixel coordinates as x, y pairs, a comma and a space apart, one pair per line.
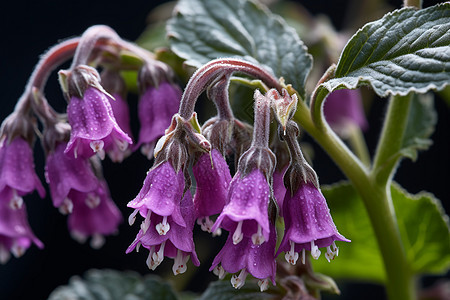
218, 93
261, 125
54, 57
376, 198
88, 42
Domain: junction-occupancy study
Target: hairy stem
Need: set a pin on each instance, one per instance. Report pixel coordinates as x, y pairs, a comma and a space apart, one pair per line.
375, 193
216, 69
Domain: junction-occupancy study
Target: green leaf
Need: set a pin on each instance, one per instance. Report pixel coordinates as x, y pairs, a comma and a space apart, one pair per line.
407, 50
422, 119
423, 225
223, 290
425, 230
203, 30
114, 285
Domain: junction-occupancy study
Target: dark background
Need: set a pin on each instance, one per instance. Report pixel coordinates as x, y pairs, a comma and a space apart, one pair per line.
28, 28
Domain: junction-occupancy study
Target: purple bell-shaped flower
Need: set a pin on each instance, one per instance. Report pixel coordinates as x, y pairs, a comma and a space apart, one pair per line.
94, 127
248, 258
212, 177
15, 232
177, 243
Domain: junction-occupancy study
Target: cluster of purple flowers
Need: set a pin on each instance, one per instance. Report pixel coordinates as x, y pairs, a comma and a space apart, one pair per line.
245, 205
97, 123
265, 186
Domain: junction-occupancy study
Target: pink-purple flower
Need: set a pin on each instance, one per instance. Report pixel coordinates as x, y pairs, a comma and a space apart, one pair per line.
161, 195
94, 127
156, 107
94, 215
308, 225
212, 177
343, 109
15, 232
17, 170
247, 258
64, 174
177, 243
246, 211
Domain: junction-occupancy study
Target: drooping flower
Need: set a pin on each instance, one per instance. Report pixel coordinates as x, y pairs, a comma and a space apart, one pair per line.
343, 110
94, 214
156, 107
161, 195
246, 211
177, 243
247, 258
212, 177
308, 225
94, 127
115, 85
65, 173
17, 170
15, 232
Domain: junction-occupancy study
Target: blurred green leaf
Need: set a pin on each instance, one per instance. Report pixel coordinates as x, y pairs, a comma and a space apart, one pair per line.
223, 290
204, 30
423, 226
114, 285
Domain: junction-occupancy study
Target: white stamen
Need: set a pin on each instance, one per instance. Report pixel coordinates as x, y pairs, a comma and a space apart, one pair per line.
158, 257
150, 263
263, 284
97, 241
205, 224
132, 217
122, 145
258, 238
291, 256
179, 265
220, 272
16, 201
79, 237
303, 256
147, 150
329, 254
238, 235
335, 248
238, 281
163, 227
17, 250
218, 232
92, 201
145, 225
4, 255
138, 246
97, 147
66, 207
315, 252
